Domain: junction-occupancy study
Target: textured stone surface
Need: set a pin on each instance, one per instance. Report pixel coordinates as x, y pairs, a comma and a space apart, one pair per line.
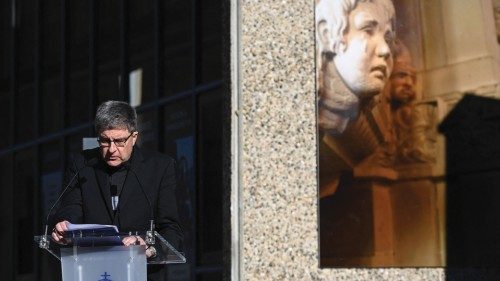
279, 220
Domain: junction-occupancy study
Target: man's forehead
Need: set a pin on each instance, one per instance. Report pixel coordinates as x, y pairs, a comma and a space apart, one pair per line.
114, 132
404, 70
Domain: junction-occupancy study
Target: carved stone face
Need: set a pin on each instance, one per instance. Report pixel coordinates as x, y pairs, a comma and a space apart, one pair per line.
364, 62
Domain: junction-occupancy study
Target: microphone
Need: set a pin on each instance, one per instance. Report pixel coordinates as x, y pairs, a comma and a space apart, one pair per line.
150, 238
44, 242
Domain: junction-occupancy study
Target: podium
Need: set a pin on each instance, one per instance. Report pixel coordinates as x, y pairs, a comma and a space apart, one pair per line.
102, 257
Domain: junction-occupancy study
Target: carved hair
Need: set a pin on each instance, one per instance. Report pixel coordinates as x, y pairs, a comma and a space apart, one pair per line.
332, 21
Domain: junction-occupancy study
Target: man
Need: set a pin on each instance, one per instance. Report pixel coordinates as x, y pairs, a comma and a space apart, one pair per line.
354, 39
403, 77
118, 183
410, 121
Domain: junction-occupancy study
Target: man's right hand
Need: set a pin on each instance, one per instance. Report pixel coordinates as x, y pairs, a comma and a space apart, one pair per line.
58, 231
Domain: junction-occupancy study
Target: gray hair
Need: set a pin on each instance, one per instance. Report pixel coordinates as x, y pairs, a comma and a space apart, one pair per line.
332, 21
115, 115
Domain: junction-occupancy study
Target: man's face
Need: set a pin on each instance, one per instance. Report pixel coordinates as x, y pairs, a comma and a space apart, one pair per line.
403, 85
114, 155
366, 61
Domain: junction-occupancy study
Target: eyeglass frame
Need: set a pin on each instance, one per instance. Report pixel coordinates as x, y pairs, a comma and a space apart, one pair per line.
118, 142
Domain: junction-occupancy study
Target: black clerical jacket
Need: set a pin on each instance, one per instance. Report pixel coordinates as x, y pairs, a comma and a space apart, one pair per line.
88, 199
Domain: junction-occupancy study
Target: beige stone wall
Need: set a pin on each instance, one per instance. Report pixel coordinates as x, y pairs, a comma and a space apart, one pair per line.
277, 218
461, 49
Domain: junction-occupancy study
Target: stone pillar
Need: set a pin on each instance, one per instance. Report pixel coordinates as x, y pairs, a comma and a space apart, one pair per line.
461, 50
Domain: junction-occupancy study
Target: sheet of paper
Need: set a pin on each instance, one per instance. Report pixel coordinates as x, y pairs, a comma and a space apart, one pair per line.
77, 227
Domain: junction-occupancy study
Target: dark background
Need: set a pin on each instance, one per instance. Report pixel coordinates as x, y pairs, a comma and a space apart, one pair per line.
472, 131
59, 60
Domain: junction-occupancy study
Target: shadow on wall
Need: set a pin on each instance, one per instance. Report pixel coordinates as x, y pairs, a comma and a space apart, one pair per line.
472, 131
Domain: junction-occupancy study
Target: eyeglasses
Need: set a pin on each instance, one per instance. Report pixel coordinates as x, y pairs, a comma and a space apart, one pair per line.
104, 142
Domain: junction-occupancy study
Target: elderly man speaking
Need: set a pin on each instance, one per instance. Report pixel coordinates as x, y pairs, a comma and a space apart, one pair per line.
120, 184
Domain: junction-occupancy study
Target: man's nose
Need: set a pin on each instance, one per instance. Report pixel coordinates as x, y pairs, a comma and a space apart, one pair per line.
112, 147
408, 80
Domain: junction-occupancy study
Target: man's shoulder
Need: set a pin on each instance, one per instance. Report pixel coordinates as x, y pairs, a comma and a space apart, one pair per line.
149, 155
87, 156
84, 158
90, 155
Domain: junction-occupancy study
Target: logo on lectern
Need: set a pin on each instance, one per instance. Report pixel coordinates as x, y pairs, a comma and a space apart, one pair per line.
105, 277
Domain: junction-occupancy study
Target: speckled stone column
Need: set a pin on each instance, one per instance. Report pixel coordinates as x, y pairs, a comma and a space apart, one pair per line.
278, 166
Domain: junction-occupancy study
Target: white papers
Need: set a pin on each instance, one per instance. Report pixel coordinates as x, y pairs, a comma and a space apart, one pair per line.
100, 227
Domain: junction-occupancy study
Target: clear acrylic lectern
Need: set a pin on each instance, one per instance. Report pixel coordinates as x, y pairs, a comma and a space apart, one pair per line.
103, 257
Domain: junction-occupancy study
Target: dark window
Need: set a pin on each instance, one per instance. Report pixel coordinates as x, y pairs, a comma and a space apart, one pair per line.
7, 210
63, 58
178, 56
24, 193
209, 203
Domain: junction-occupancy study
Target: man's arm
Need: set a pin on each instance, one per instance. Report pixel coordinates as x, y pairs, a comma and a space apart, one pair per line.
167, 217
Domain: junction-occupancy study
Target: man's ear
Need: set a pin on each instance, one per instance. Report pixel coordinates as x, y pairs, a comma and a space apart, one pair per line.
134, 138
324, 37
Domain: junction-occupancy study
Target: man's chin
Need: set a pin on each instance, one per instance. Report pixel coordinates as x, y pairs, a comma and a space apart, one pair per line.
114, 163
404, 97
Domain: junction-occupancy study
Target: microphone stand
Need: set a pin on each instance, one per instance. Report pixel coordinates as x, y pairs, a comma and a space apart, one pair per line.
150, 237
44, 243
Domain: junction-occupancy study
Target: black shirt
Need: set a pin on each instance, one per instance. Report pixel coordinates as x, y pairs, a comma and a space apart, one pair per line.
116, 179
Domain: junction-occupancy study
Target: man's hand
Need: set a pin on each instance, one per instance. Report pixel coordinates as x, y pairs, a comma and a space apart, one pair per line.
137, 240
133, 240
58, 231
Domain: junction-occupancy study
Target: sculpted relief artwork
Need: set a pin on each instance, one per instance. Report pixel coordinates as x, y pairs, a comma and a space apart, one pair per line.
353, 42
378, 142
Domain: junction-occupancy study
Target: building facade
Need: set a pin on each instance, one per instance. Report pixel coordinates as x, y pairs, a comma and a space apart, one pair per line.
230, 88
